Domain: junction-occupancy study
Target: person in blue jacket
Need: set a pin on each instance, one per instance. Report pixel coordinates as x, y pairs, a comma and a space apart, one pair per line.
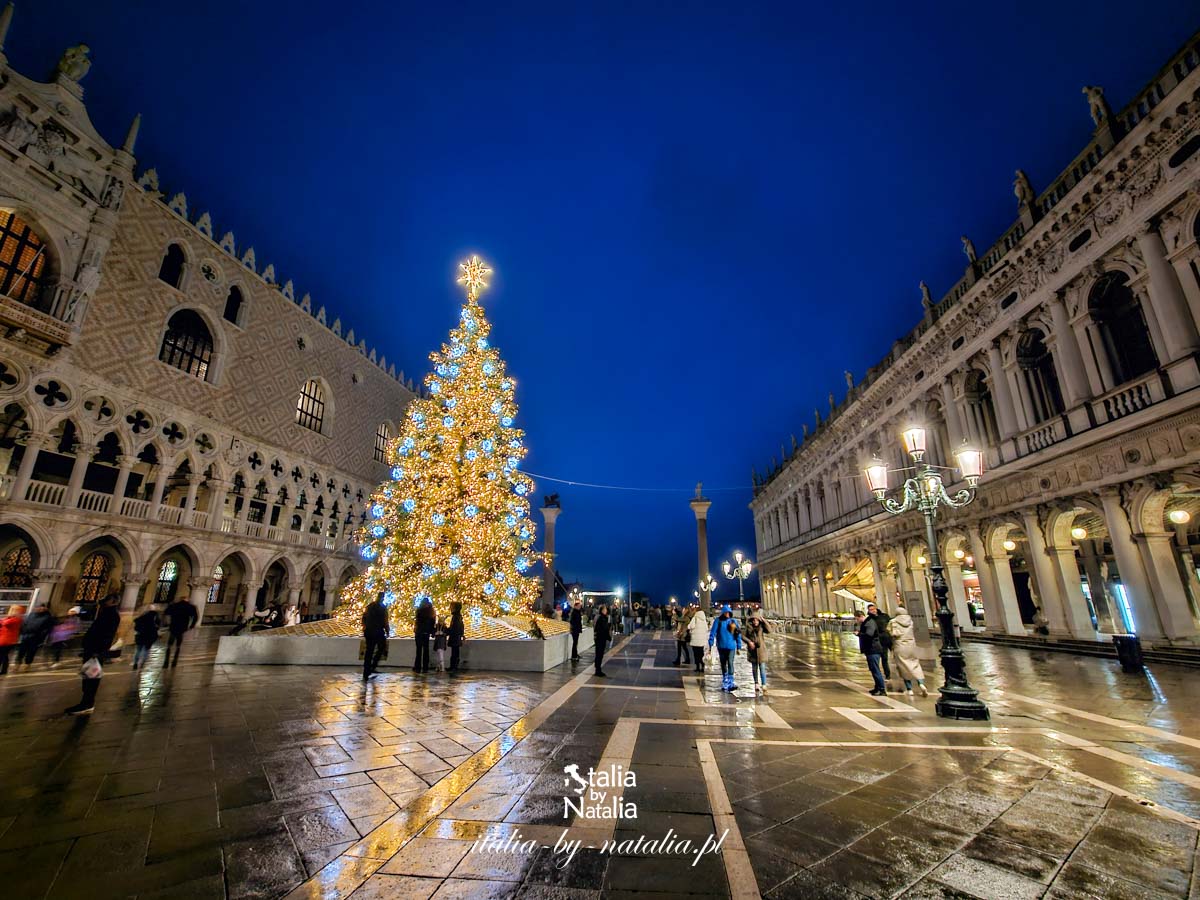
728, 638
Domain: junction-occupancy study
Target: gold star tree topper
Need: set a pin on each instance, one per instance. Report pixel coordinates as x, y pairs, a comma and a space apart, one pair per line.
473, 275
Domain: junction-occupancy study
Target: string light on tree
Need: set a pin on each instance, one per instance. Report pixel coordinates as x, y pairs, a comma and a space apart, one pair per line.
452, 523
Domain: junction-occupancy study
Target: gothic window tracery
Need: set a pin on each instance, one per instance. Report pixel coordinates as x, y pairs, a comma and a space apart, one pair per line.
187, 344
23, 259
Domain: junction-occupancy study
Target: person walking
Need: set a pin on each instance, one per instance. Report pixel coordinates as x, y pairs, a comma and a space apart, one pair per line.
870, 647
756, 650
456, 636
375, 635
576, 628
642, 616
66, 628
601, 635
34, 631
10, 634
441, 634
422, 632
681, 642
145, 634
697, 634
728, 639
182, 617
885, 637
904, 645
97, 641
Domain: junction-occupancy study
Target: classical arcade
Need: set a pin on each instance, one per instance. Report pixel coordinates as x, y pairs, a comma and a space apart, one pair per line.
1068, 352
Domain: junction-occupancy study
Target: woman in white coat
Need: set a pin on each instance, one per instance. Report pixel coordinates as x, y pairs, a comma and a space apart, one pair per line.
904, 646
697, 638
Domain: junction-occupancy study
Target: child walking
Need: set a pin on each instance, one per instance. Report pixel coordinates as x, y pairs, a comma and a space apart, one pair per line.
440, 634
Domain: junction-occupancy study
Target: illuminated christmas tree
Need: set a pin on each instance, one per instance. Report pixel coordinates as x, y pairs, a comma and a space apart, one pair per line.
452, 523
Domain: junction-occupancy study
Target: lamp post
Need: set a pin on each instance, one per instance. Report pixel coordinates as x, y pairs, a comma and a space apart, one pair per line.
739, 569
708, 584
925, 491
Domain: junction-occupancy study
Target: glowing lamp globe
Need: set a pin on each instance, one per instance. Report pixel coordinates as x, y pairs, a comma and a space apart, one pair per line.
877, 473
914, 441
970, 463
960, 554
1179, 516
1078, 533
1010, 546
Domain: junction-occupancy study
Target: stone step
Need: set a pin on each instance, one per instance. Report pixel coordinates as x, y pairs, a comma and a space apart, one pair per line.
1183, 656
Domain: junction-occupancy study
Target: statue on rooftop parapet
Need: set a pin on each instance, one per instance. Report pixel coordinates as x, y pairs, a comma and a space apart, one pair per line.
926, 298
74, 63
969, 249
1023, 188
849, 376
1097, 105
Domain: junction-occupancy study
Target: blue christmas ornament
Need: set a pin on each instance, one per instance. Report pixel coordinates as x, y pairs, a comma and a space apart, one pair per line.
510, 592
515, 444
489, 588
430, 543
451, 403
506, 385
377, 511
389, 598
475, 614
507, 421
505, 606
379, 531
523, 561
438, 519
489, 369
457, 351
397, 472
525, 536
513, 462
499, 576
521, 489
408, 443
442, 369
418, 417
510, 521
428, 571
482, 343
456, 562
448, 421
454, 370
488, 445
435, 387
424, 454
492, 476
367, 552
471, 455
409, 504
497, 406
471, 510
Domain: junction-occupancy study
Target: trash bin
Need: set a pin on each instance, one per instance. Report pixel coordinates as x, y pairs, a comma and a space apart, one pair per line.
1129, 652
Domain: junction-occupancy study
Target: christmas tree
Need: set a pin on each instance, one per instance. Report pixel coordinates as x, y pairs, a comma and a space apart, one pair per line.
452, 523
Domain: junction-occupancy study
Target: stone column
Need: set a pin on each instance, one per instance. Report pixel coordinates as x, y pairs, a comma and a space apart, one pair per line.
700, 505
1129, 564
550, 515
156, 497
958, 596
1187, 565
1079, 621
125, 465
198, 596
45, 581
1166, 296
131, 590
1106, 616
881, 595
217, 492
1053, 606
999, 593
1001, 395
83, 456
1024, 409
34, 445
1170, 599
1183, 271
1071, 370
953, 423
293, 600
189, 504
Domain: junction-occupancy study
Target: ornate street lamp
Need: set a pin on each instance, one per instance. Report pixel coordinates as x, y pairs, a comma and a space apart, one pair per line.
739, 569
708, 584
925, 491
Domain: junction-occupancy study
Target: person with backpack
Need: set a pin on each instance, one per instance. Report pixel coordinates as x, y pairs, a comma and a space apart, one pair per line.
870, 646
756, 651
728, 639
885, 637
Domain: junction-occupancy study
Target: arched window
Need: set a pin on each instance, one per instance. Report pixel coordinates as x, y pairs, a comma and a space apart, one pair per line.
168, 577
22, 259
1037, 368
16, 569
187, 344
93, 578
1122, 325
216, 593
171, 268
981, 413
233, 306
383, 434
310, 408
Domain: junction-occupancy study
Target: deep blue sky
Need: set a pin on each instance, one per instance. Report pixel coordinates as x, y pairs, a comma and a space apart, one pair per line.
700, 215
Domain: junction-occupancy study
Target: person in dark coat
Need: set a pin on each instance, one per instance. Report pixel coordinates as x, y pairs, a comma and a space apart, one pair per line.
602, 634
34, 631
576, 628
422, 631
885, 637
871, 647
97, 641
375, 633
182, 617
145, 634
456, 636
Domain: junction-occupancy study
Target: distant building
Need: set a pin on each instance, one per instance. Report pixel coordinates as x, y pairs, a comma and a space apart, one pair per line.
175, 421
1068, 351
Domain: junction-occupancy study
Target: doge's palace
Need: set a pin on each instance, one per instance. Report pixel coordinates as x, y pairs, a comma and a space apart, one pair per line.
176, 421
1068, 353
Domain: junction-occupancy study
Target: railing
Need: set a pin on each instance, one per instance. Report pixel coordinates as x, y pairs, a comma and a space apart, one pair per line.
199, 518
94, 501
1042, 435
45, 493
171, 515
134, 508
1129, 398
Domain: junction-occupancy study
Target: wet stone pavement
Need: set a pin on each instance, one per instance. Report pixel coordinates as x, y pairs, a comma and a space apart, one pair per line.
266, 782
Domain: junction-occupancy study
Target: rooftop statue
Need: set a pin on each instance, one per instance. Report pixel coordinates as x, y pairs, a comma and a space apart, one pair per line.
969, 249
1023, 188
74, 63
926, 299
1097, 105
